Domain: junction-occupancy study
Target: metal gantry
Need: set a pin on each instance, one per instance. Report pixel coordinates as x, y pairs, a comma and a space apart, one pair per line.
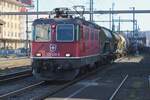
85, 12
118, 20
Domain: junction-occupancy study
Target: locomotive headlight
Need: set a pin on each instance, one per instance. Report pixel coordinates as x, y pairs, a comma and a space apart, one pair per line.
68, 55
38, 54
53, 26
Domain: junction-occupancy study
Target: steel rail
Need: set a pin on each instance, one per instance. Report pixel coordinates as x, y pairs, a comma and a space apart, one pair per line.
20, 90
113, 95
8, 77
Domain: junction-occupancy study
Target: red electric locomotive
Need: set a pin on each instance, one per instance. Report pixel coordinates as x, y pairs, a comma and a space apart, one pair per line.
63, 45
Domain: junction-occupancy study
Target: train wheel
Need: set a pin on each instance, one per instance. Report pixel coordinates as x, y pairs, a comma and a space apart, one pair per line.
97, 64
83, 70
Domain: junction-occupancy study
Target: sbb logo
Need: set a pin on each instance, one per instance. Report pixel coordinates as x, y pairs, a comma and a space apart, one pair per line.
53, 47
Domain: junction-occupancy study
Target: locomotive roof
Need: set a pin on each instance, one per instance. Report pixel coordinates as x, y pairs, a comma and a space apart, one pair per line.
65, 21
113, 34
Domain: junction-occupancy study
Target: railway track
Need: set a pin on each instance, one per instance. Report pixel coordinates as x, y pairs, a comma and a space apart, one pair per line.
41, 89
15, 92
16, 75
126, 80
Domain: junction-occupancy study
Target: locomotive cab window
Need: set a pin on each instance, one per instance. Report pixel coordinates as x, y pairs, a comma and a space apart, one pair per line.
65, 32
42, 32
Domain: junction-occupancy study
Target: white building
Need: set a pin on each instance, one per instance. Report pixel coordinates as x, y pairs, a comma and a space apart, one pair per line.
12, 32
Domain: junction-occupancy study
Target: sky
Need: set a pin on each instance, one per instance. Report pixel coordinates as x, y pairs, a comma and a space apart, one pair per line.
142, 19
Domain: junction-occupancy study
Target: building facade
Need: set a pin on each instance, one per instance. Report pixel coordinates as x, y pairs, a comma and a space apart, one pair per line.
12, 27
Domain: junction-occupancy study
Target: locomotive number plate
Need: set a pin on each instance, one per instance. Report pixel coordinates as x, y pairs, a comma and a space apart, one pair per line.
53, 54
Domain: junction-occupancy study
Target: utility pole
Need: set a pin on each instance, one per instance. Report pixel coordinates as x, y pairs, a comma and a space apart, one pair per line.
91, 10
110, 19
133, 22
37, 8
113, 24
136, 24
134, 34
27, 36
119, 25
133, 26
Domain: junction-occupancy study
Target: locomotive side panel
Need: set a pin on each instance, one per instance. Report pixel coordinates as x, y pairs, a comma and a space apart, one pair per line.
89, 42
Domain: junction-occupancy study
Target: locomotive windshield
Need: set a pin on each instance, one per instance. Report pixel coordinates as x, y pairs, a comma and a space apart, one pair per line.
42, 32
65, 32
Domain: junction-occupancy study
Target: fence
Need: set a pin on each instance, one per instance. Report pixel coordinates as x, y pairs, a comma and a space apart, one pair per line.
14, 53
